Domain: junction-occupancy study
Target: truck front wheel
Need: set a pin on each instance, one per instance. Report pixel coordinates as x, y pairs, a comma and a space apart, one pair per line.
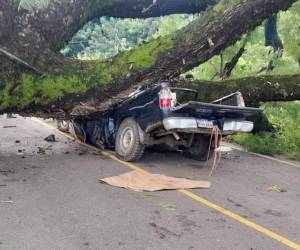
199, 149
128, 141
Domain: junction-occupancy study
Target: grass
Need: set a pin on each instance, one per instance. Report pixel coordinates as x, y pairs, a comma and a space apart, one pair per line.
284, 140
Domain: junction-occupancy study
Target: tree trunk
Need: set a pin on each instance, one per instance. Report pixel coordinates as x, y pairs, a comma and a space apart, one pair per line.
34, 32
271, 34
255, 90
96, 86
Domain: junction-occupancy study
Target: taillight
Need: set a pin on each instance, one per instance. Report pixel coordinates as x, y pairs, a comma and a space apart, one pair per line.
165, 103
167, 99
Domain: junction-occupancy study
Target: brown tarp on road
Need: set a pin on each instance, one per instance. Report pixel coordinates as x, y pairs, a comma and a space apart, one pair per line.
152, 182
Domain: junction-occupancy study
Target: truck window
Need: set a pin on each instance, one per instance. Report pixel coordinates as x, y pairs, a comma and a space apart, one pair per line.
185, 95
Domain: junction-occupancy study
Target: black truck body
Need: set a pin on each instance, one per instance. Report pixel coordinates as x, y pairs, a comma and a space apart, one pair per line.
162, 115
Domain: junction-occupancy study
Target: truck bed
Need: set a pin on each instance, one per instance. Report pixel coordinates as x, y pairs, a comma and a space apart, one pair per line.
201, 109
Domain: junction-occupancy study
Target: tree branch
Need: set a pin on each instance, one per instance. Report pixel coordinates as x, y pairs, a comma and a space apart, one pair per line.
19, 61
255, 89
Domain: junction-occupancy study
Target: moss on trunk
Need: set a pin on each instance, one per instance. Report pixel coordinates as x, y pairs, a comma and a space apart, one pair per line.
80, 76
256, 90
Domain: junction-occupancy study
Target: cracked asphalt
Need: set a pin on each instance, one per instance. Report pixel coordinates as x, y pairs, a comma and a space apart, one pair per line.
50, 198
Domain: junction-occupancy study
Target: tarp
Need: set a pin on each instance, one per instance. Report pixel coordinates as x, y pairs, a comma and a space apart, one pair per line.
153, 182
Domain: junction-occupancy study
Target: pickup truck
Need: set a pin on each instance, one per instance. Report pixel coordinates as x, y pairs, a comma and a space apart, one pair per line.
165, 116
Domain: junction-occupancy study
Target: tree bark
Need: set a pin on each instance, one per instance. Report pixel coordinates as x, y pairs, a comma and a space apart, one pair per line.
255, 90
272, 37
35, 34
96, 86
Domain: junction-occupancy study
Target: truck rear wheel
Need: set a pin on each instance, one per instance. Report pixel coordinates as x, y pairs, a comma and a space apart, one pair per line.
199, 149
128, 141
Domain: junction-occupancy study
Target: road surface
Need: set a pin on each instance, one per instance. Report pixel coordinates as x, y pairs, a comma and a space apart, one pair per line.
50, 198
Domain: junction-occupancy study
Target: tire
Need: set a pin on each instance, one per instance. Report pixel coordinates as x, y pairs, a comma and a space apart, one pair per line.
199, 149
63, 126
128, 142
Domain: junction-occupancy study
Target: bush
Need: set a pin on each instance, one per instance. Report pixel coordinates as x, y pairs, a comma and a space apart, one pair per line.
284, 140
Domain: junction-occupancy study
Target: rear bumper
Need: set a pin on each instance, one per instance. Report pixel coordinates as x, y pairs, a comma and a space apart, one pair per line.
190, 124
238, 126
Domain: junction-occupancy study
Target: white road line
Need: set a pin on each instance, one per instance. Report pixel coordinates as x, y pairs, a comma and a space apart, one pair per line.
264, 156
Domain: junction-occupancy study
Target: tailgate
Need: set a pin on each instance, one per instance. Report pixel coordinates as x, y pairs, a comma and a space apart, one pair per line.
201, 109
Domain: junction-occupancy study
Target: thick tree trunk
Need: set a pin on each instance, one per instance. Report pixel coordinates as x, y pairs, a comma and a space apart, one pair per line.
256, 90
34, 34
102, 84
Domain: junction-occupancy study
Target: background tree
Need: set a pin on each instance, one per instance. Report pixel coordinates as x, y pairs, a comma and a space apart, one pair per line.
256, 57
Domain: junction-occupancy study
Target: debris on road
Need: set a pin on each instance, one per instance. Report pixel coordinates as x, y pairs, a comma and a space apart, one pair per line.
223, 149
152, 182
8, 202
9, 126
273, 212
6, 172
41, 151
10, 116
21, 152
168, 207
50, 138
82, 151
17, 141
277, 189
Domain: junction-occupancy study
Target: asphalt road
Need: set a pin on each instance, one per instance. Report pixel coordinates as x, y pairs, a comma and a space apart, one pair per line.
50, 198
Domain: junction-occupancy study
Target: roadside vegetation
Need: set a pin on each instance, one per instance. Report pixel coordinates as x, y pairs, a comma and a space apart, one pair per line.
285, 137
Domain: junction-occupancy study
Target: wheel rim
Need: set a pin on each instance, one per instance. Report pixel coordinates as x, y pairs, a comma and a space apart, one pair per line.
127, 139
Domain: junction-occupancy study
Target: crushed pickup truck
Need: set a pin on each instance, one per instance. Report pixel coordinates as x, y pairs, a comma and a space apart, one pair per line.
165, 116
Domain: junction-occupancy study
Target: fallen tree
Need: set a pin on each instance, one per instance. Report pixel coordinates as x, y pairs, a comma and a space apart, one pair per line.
35, 31
91, 86
255, 89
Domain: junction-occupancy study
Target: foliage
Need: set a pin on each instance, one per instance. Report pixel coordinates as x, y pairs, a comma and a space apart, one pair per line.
35, 90
259, 59
91, 73
285, 117
290, 31
107, 36
172, 23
